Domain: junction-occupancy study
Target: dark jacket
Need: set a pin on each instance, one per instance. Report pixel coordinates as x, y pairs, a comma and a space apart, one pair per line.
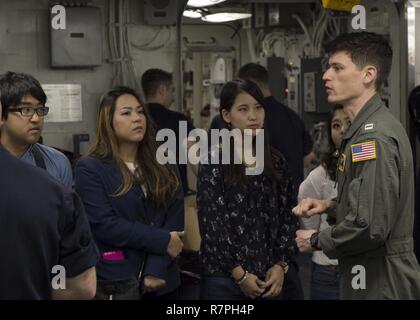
287, 133
41, 225
164, 118
129, 223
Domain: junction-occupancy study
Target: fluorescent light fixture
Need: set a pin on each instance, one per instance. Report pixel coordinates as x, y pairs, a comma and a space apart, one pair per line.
192, 14
225, 16
415, 4
203, 3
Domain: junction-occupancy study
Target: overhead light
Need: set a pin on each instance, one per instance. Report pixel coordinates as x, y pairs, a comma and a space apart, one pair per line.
192, 14
203, 3
415, 4
225, 16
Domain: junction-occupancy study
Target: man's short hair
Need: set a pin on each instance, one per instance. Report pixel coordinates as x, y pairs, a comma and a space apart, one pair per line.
152, 79
254, 72
365, 48
14, 86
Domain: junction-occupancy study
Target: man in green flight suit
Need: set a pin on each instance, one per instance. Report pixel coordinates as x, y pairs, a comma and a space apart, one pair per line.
374, 207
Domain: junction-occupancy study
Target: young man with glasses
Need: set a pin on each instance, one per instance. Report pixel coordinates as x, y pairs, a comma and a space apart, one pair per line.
22, 120
45, 239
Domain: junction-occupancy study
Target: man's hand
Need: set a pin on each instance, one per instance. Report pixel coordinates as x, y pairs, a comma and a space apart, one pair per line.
175, 244
274, 280
302, 240
309, 207
152, 283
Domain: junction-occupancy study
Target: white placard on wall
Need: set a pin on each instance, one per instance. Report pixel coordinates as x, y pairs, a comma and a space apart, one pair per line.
64, 101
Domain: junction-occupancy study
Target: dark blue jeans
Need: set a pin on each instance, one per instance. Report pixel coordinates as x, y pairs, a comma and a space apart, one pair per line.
325, 283
224, 288
118, 290
173, 295
292, 287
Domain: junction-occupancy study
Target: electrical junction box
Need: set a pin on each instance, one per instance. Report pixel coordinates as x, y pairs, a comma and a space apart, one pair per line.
259, 15
314, 96
276, 77
247, 23
80, 43
293, 92
160, 12
273, 14
309, 97
340, 5
219, 72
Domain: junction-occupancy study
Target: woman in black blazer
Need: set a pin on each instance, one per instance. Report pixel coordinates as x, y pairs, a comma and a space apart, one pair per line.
134, 204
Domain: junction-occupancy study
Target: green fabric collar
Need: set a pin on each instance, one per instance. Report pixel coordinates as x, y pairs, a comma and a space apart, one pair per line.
368, 109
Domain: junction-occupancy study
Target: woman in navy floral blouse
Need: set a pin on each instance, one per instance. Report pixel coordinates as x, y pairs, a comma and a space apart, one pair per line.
246, 225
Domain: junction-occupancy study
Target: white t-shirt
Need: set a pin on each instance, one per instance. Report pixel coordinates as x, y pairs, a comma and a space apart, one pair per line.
318, 185
132, 168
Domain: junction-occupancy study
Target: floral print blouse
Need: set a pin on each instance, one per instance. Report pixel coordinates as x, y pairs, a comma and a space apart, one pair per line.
249, 225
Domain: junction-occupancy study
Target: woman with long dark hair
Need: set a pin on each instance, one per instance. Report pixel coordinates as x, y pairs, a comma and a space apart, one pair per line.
320, 184
134, 204
246, 225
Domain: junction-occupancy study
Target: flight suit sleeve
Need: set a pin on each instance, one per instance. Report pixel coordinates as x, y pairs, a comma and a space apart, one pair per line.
370, 204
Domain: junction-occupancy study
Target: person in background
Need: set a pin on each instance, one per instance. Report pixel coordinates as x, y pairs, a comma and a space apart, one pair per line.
321, 184
246, 224
135, 205
43, 226
24, 109
158, 88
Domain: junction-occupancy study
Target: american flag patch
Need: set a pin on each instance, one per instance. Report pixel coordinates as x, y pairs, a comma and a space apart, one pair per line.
363, 151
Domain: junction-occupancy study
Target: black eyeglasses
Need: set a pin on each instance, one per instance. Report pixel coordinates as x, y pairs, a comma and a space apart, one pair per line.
30, 111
